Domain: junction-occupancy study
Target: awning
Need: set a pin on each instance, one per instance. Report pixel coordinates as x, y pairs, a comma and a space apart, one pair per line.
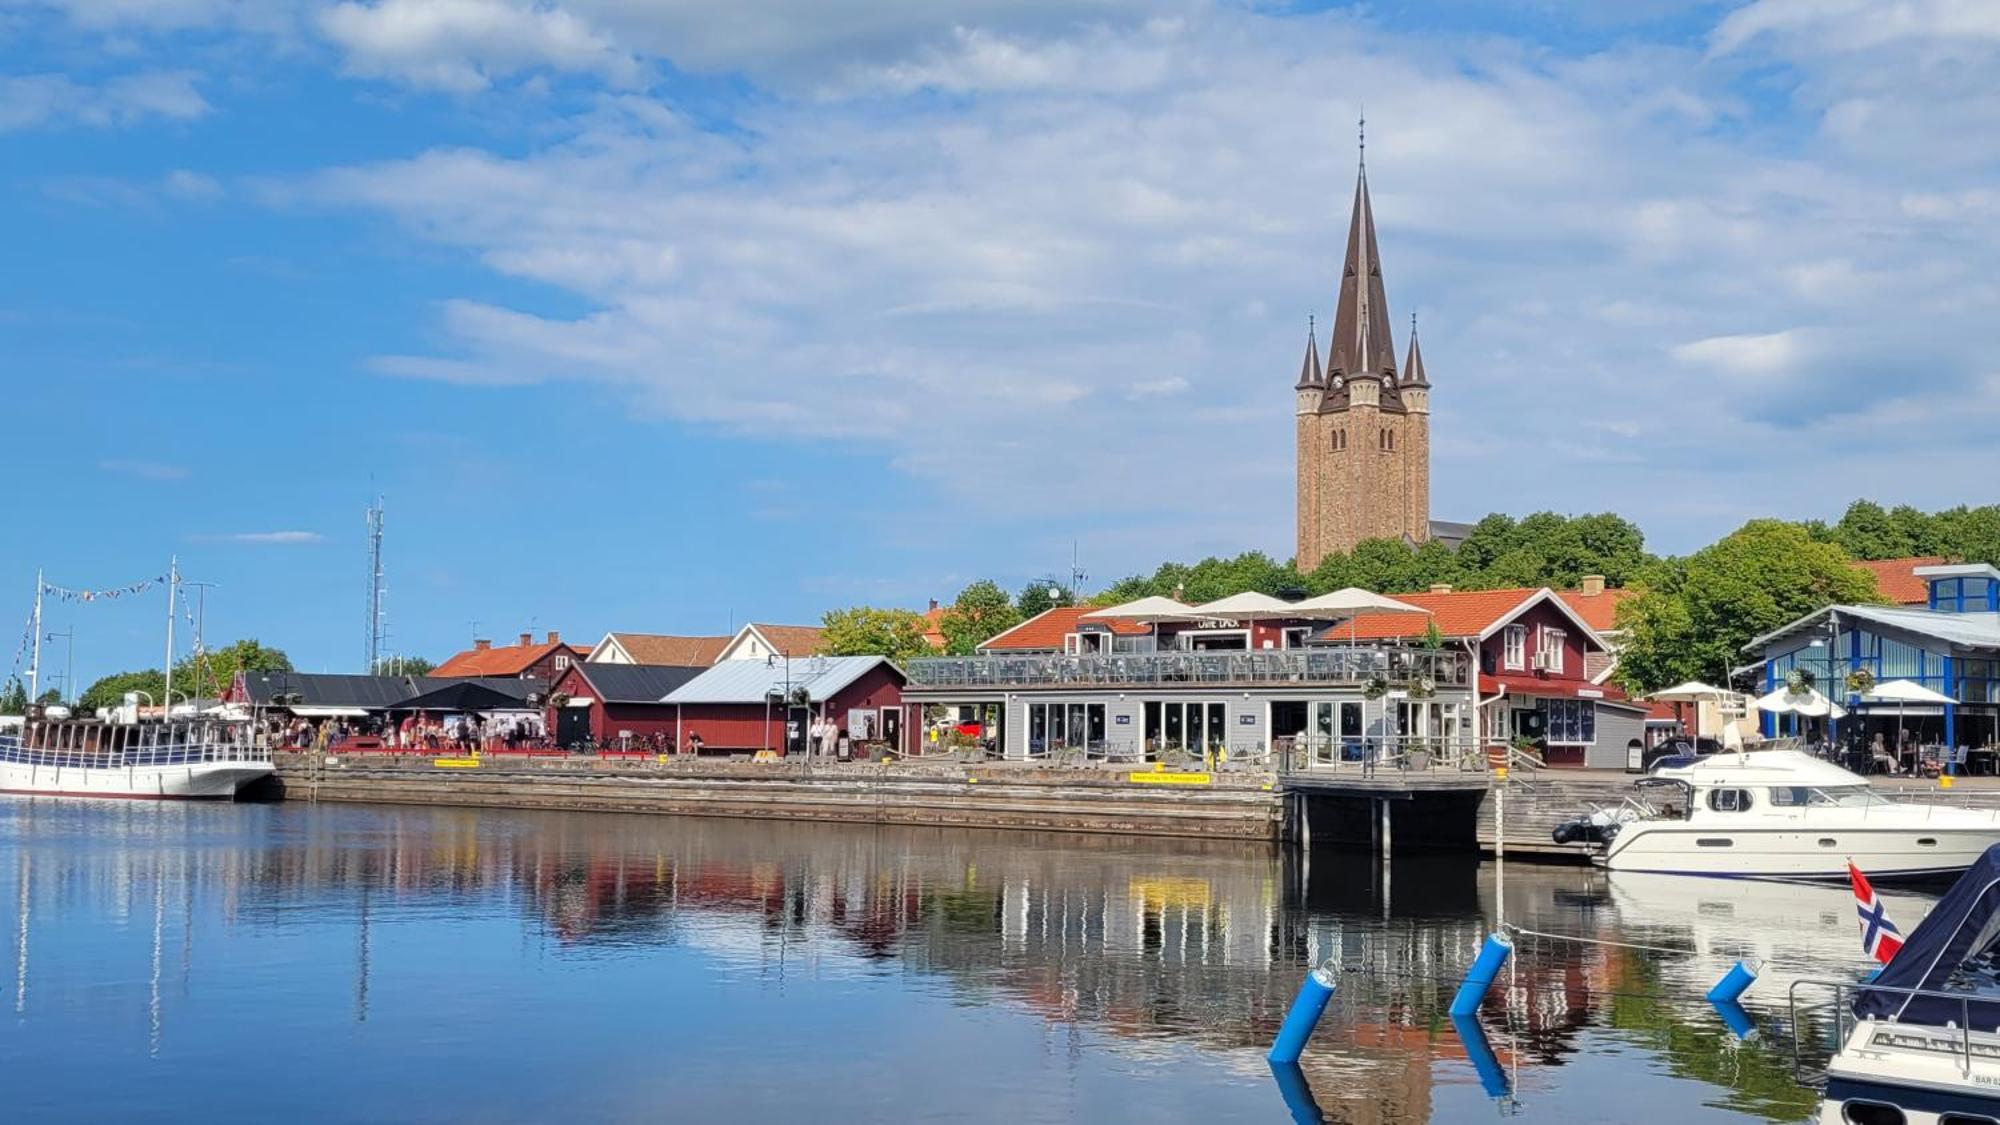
314, 711
1553, 689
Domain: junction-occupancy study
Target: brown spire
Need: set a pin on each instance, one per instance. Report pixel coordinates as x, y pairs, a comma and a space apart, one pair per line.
1362, 344
1309, 373
1413, 363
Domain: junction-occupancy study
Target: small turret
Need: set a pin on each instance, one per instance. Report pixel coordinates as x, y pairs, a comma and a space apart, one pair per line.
1416, 385
1312, 383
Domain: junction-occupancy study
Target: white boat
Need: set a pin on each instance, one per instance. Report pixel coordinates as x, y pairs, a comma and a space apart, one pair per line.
1925, 1044
177, 759
1779, 814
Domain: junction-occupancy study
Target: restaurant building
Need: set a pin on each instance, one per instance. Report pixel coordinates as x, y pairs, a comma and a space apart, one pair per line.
1950, 644
1248, 676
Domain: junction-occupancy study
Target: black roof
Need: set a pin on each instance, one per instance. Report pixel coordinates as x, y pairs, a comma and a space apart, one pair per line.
635, 683
480, 693
372, 693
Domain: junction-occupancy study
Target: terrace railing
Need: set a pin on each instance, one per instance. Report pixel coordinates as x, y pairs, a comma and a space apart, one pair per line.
1398, 668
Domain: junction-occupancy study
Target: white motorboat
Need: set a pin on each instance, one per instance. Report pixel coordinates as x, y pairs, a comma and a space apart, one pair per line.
1778, 814
176, 759
1925, 1044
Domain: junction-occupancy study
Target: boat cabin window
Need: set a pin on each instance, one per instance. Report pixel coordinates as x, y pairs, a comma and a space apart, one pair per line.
1729, 800
1824, 796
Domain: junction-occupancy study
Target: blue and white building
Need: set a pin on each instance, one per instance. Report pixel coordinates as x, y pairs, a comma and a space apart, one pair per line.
1951, 645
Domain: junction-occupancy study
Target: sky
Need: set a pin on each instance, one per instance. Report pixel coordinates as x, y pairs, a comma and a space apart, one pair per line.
665, 315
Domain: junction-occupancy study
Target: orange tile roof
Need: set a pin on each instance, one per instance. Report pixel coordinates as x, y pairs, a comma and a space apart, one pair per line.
1047, 630
681, 652
793, 640
1599, 611
501, 660
1893, 578
1461, 613
934, 626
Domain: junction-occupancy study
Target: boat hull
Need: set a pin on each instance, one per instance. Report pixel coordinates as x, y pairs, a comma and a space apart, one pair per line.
1917, 1069
1816, 852
190, 781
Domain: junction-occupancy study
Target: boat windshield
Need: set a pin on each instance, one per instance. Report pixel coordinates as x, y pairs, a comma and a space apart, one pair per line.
1826, 796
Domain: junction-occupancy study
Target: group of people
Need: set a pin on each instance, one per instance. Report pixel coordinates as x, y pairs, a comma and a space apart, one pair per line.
415, 731
825, 739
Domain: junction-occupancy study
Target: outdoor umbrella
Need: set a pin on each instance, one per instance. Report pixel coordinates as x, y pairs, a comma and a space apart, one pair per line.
1809, 703
1247, 606
1352, 603
1148, 611
1903, 693
1693, 691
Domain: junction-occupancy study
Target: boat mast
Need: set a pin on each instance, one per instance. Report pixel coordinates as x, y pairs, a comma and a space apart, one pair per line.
35, 668
173, 588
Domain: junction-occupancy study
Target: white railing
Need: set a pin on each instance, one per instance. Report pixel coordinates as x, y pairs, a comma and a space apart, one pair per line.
67, 745
1399, 667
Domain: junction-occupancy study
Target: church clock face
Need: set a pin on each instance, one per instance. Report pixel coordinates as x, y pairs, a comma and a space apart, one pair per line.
1339, 381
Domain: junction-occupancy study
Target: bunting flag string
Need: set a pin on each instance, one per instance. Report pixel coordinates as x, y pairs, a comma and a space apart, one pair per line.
63, 593
27, 639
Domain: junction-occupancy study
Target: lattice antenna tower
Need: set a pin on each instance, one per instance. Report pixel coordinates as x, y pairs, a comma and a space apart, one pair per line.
375, 590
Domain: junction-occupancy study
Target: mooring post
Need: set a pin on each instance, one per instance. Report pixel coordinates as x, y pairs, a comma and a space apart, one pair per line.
1307, 1007
1479, 979
1733, 984
1387, 845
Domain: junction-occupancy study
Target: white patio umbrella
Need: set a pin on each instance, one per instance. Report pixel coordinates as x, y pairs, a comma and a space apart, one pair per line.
1246, 606
1903, 693
1809, 703
1352, 603
1149, 610
1693, 691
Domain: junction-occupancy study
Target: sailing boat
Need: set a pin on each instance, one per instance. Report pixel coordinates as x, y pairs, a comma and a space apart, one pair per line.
176, 757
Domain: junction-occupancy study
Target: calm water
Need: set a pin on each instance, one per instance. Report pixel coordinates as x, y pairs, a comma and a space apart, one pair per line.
348, 963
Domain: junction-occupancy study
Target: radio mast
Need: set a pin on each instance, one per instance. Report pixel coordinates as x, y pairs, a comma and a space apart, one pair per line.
374, 652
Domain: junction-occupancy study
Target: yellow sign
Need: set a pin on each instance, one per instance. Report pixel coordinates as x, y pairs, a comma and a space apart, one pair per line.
1500, 772
1944, 781
456, 763
764, 756
1164, 778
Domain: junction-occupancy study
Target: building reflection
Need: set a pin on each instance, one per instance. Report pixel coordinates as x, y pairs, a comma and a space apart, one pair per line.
1161, 946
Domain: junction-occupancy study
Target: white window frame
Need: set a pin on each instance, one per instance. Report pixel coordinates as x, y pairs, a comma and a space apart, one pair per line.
1515, 643
1549, 645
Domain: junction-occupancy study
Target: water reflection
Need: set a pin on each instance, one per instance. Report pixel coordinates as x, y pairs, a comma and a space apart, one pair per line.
1156, 970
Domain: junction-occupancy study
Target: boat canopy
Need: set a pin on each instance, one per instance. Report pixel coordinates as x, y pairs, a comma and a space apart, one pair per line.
1963, 927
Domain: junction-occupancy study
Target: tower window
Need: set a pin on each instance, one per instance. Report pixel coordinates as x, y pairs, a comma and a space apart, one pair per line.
1339, 440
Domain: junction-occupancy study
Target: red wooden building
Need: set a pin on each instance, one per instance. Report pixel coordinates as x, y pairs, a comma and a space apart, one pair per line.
616, 705
749, 705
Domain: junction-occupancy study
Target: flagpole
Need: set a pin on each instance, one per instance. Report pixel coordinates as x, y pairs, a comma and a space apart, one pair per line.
35, 668
173, 586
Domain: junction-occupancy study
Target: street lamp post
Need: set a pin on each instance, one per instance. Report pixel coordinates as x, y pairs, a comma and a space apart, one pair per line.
69, 661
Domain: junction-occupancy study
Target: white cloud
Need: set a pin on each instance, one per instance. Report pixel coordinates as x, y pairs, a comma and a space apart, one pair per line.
1756, 356
185, 184
265, 538
30, 101
464, 45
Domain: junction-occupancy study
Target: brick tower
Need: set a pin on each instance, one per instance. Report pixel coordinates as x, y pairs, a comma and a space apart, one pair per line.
1363, 429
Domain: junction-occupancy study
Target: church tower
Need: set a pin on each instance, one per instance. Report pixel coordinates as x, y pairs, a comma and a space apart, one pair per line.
1363, 426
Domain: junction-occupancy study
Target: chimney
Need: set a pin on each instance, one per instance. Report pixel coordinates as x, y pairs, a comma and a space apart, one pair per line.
554, 638
1591, 585
933, 605
1440, 587
481, 645
527, 639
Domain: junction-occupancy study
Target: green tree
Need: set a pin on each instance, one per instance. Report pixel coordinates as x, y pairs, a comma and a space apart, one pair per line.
1693, 622
981, 612
110, 691
211, 674
1041, 596
13, 697
1866, 531
866, 631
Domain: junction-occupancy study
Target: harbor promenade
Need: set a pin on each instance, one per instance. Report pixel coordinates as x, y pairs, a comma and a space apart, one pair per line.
1442, 811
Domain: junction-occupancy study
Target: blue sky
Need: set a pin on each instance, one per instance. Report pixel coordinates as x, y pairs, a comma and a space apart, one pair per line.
671, 314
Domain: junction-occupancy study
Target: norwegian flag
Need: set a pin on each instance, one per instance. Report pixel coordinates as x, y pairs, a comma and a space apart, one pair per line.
1879, 936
